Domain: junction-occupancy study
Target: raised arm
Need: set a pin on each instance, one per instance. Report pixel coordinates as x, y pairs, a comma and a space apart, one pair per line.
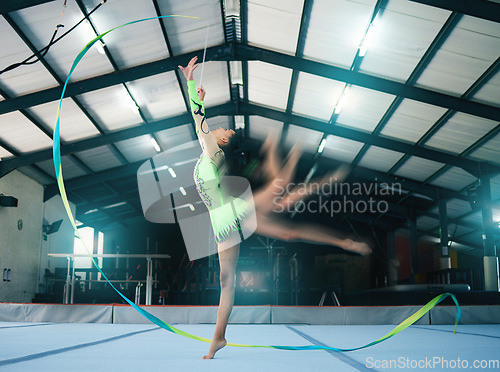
207, 141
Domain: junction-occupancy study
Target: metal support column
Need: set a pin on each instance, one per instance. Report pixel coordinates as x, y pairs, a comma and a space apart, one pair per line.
445, 261
149, 281
393, 269
491, 271
412, 222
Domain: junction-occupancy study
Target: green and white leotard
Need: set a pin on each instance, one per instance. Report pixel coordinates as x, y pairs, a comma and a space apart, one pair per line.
225, 211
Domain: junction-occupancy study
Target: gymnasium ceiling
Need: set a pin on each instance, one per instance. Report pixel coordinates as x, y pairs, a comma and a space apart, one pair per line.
420, 107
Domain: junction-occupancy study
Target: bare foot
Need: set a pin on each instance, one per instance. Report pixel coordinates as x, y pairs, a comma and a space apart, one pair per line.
357, 247
216, 345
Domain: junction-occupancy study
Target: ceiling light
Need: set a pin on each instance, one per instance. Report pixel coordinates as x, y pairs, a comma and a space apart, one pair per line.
182, 190
155, 144
236, 70
172, 172
367, 40
114, 205
239, 122
340, 102
232, 8
100, 46
322, 146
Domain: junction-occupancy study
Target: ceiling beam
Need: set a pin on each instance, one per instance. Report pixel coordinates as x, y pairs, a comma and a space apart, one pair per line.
92, 179
8, 165
469, 165
244, 108
429, 54
220, 52
476, 8
238, 51
7, 6
249, 53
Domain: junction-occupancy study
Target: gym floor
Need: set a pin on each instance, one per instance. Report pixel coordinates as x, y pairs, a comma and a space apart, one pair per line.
146, 347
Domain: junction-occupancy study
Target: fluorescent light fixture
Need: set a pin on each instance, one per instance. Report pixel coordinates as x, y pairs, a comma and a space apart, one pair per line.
236, 72
322, 146
239, 122
232, 8
100, 46
172, 172
189, 205
367, 40
341, 101
114, 205
91, 211
155, 144
313, 169
182, 190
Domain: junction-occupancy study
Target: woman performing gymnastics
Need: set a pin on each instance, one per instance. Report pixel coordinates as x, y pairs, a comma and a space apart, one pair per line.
226, 221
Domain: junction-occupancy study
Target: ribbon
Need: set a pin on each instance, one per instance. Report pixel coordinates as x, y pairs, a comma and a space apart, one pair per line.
60, 182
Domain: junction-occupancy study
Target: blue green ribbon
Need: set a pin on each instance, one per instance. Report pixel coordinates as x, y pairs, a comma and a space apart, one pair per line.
60, 182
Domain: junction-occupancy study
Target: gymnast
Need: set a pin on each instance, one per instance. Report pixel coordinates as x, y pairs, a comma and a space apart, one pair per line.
226, 217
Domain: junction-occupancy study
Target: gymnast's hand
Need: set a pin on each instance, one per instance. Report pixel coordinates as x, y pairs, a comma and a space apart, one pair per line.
188, 70
201, 93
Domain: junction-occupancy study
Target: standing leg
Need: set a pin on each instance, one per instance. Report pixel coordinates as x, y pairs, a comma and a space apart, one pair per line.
228, 258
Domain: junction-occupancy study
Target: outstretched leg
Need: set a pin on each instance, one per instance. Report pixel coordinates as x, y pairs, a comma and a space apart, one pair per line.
228, 258
286, 231
265, 197
272, 162
302, 191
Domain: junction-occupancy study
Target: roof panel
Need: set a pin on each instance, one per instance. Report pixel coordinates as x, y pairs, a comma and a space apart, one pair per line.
215, 81
137, 148
158, 96
475, 217
134, 44
363, 108
418, 169
21, 134
454, 179
307, 139
111, 107
99, 158
426, 223
74, 124
457, 207
261, 127
179, 135
495, 187
412, 120
36, 175
220, 121
336, 28
4, 153
470, 49
402, 35
23, 79
341, 148
186, 35
490, 151
460, 132
38, 24
265, 81
490, 92
275, 25
380, 159
69, 168
316, 96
